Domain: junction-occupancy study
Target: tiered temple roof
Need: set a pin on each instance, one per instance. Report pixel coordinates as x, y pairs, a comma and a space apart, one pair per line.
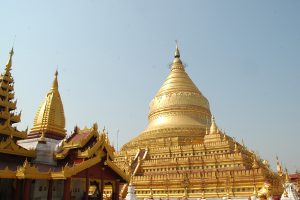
9, 117
74, 155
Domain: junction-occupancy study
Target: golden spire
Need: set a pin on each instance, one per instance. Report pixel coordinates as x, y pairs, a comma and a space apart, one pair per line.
213, 127
177, 54
55, 82
178, 80
50, 117
243, 143
287, 177
278, 167
177, 62
235, 147
255, 164
9, 62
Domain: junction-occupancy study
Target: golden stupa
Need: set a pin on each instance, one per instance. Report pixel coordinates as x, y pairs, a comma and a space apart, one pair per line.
183, 154
50, 118
178, 114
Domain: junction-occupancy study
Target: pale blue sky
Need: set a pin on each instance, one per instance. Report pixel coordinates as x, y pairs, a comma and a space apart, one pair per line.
113, 56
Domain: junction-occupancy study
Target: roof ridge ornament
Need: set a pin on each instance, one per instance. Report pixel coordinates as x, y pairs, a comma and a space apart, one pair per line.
287, 177
9, 62
278, 167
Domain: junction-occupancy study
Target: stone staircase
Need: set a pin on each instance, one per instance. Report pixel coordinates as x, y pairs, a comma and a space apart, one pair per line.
135, 165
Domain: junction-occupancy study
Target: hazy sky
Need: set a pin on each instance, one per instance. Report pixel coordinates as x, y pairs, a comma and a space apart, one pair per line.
113, 56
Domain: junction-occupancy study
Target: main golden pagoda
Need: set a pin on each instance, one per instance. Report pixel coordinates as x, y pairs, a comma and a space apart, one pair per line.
183, 154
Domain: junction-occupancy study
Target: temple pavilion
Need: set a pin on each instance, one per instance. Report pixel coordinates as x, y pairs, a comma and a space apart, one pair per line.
45, 163
182, 153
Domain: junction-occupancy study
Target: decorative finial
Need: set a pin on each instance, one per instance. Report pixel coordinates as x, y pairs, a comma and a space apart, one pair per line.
42, 138
243, 143
25, 164
203, 195
151, 193
55, 82
12, 51
76, 129
177, 64
255, 191
177, 53
255, 164
9, 62
287, 177
235, 147
278, 167
95, 126
266, 163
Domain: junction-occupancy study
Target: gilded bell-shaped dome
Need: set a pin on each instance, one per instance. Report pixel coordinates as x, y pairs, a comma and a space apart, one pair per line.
178, 103
50, 118
178, 112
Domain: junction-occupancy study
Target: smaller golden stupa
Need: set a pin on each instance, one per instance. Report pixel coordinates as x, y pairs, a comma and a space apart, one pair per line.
50, 119
48, 127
